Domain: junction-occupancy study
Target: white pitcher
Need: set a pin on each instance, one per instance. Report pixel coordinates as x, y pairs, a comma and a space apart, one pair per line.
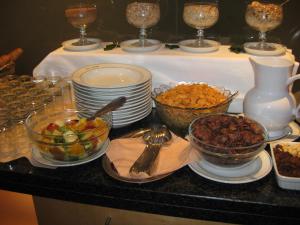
271, 102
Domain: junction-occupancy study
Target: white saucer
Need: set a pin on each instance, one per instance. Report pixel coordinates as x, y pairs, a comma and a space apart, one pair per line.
129, 47
257, 169
279, 49
38, 157
290, 133
186, 45
67, 45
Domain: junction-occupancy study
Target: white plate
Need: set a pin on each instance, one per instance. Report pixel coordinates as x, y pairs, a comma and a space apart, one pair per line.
122, 122
111, 75
112, 92
98, 102
130, 47
291, 134
186, 45
98, 98
125, 115
133, 112
133, 120
279, 49
129, 105
67, 45
253, 171
38, 157
130, 111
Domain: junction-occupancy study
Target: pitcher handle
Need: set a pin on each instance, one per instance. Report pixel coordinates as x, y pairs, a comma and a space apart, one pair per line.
292, 79
295, 68
297, 112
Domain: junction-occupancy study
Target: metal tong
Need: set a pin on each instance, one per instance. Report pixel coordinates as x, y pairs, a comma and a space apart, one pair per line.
154, 139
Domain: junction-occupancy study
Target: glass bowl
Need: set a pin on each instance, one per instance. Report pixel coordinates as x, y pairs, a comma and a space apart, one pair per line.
227, 140
178, 118
67, 135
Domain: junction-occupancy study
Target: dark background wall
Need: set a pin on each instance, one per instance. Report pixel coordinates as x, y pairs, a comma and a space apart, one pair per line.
39, 26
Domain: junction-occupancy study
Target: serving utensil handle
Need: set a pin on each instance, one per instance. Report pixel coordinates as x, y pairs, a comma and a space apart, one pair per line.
111, 106
145, 162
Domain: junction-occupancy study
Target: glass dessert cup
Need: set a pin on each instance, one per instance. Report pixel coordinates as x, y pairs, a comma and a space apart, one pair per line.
143, 14
80, 16
263, 17
200, 15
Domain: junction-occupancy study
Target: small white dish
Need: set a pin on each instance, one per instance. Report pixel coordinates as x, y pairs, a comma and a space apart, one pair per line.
36, 155
257, 169
187, 45
130, 46
67, 45
279, 49
285, 182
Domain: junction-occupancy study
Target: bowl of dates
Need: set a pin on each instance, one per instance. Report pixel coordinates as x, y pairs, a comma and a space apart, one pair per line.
227, 140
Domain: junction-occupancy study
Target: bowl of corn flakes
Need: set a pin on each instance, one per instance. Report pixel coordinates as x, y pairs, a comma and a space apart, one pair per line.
179, 104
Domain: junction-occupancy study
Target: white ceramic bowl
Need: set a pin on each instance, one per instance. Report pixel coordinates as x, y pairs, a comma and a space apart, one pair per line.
285, 182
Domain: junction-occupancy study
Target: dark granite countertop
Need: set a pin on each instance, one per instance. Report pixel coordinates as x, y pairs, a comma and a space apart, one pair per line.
182, 194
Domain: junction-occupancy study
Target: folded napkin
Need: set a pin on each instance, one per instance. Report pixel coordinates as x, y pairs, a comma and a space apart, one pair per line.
124, 152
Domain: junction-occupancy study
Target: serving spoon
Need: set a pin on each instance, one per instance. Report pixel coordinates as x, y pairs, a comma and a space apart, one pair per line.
283, 3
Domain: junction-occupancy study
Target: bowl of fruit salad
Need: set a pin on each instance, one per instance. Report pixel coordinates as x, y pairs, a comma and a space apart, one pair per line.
67, 135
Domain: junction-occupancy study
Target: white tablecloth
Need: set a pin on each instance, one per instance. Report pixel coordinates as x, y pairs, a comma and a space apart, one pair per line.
222, 68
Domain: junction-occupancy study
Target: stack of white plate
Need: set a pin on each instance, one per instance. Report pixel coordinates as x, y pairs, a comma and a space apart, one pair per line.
96, 85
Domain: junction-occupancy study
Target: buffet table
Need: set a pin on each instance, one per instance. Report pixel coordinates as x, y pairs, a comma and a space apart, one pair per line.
182, 194
221, 68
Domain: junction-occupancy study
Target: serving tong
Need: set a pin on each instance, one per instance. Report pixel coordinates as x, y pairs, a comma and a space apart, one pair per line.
155, 138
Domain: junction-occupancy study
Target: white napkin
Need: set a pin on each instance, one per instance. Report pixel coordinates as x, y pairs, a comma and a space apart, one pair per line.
124, 152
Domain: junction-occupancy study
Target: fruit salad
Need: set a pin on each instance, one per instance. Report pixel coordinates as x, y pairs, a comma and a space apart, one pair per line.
73, 139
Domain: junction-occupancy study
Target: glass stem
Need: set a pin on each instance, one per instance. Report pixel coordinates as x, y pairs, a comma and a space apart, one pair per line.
82, 38
142, 37
262, 40
200, 38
